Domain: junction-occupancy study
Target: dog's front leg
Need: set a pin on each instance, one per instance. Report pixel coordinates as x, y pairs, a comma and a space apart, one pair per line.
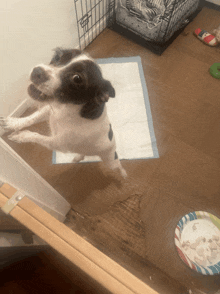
16, 124
32, 137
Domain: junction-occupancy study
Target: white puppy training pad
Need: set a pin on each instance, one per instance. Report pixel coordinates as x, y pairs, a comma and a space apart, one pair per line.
129, 112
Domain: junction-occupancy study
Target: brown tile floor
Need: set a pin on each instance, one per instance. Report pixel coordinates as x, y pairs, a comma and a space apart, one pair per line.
185, 104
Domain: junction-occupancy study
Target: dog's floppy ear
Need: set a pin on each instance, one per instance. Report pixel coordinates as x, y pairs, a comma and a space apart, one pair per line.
104, 92
63, 56
62, 51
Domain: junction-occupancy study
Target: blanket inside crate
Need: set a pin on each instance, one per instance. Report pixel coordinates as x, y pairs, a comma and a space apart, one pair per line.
155, 20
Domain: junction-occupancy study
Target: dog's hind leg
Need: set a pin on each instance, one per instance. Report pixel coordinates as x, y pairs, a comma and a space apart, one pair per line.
32, 137
111, 160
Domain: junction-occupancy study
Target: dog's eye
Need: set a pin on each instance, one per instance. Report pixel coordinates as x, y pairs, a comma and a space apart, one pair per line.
77, 79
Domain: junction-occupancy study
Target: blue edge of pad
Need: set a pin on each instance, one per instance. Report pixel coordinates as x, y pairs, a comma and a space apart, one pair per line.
146, 99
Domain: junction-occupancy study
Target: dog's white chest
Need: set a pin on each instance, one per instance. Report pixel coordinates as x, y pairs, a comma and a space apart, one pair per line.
77, 134
64, 118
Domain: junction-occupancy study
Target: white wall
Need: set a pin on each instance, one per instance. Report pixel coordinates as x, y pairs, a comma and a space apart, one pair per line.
217, 2
29, 30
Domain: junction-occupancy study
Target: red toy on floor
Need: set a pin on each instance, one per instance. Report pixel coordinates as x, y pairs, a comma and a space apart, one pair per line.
205, 37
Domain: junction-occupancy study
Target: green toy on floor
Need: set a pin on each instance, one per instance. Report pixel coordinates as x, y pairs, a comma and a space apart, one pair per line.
215, 70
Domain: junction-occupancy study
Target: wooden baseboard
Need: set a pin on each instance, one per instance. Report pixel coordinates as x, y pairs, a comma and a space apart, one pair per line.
216, 2
205, 3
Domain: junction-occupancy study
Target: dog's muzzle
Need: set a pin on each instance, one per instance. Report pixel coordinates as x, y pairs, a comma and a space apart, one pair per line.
39, 75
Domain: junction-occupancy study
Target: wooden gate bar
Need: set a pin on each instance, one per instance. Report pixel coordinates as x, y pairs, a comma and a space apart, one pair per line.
80, 252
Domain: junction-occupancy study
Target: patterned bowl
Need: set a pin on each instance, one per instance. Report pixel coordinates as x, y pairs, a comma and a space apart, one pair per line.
197, 240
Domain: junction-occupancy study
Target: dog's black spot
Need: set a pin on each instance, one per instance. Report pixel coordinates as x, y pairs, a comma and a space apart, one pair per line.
110, 133
92, 110
116, 155
92, 91
91, 78
80, 83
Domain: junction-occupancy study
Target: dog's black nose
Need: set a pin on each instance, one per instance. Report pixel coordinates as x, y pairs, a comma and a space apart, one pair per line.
39, 75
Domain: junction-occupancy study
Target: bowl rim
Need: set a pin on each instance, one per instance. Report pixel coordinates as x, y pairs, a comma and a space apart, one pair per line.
208, 270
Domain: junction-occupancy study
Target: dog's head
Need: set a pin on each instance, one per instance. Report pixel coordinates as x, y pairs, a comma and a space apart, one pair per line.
71, 77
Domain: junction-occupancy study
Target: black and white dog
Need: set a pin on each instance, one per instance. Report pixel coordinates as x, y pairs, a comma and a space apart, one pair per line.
74, 94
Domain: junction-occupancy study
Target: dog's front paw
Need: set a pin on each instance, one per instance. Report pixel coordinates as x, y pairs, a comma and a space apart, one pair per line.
22, 137
10, 123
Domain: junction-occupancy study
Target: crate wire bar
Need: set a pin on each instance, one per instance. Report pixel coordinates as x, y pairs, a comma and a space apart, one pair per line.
93, 16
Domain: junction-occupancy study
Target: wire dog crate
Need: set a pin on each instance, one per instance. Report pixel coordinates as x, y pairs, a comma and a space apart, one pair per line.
93, 16
154, 21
